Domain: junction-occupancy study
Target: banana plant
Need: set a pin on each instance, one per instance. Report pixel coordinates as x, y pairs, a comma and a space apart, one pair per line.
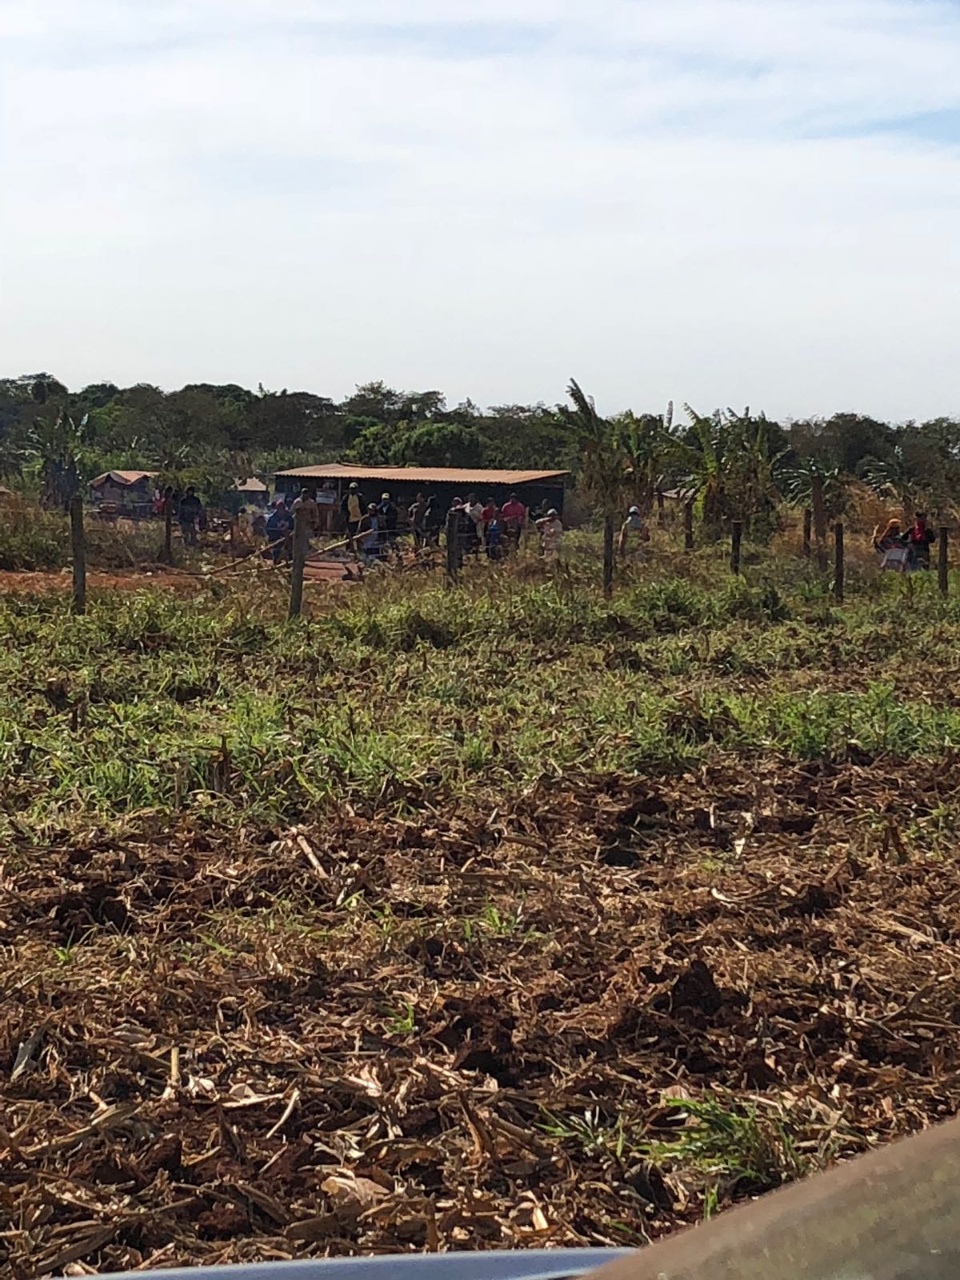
646, 447
602, 469
730, 464
59, 444
824, 490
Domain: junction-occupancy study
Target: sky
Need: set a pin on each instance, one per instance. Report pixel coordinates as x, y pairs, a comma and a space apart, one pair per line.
718, 202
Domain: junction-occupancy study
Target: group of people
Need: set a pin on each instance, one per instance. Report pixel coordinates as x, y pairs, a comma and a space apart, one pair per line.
904, 550
486, 527
479, 527
372, 529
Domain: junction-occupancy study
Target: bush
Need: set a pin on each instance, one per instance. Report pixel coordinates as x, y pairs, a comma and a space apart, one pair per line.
31, 538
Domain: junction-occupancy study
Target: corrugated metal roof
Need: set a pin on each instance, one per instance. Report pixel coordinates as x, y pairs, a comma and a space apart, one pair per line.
253, 485
420, 475
123, 477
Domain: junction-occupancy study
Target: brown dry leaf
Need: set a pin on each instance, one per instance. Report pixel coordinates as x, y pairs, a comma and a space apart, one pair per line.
352, 1196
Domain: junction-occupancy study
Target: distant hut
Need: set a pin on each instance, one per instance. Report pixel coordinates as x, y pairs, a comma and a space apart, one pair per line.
250, 493
126, 493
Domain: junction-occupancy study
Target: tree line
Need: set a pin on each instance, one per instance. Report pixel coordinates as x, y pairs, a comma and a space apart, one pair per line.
733, 464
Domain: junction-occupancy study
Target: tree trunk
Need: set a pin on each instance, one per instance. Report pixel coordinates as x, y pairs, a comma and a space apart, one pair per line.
608, 532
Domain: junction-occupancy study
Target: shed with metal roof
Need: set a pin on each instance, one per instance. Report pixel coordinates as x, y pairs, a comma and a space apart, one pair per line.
446, 483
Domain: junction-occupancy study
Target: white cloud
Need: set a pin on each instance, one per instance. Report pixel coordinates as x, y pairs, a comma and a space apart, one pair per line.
666, 198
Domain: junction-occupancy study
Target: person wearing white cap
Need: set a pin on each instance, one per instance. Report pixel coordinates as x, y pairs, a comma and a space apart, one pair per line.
633, 531
388, 519
550, 528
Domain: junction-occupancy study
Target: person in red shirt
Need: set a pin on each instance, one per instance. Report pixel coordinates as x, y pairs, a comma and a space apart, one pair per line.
514, 518
490, 513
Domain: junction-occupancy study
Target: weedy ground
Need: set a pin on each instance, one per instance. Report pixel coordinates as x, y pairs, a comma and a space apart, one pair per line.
493, 916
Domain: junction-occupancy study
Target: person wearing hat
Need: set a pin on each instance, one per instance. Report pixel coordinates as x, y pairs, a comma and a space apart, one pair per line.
388, 519
550, 528
370, 534
633, 531
353, 508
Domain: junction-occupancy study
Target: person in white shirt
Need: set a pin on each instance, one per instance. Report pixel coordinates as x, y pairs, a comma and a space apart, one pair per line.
474, 509
551, 534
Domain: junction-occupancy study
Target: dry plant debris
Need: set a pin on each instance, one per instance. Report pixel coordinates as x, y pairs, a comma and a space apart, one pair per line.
610, 1007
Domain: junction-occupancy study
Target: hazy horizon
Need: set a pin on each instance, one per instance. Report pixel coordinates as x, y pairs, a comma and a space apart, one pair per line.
713, 201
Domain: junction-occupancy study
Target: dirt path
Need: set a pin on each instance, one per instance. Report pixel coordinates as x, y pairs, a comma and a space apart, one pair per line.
38, 583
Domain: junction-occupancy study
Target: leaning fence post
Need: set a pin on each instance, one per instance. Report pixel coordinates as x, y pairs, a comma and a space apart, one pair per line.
301, 542
735, 547
688, 526
942, 573
838, 565
453, 545
807, 530
78, 545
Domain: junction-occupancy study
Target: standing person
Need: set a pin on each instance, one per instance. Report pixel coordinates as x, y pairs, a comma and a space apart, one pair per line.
388, 519
474, 511
633, 531
891, 545
490, 513
308, 503
352, 509
416, 515
278, 530
919, 539
432, 521
189, 515
460, 526
370, 533
493, 533
514, 521
550, 528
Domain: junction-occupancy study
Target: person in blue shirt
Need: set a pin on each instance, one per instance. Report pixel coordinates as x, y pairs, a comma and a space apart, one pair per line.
279, 528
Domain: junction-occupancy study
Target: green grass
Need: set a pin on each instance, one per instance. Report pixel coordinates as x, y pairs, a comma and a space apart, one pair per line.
735, 1144
398, 696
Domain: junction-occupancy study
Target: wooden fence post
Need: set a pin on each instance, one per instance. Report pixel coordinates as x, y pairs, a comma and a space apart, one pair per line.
688, 526
838, 566
807, 530
301, 543
78, 544
735, 547
454, 552
942, 564
168, 525
608, 536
